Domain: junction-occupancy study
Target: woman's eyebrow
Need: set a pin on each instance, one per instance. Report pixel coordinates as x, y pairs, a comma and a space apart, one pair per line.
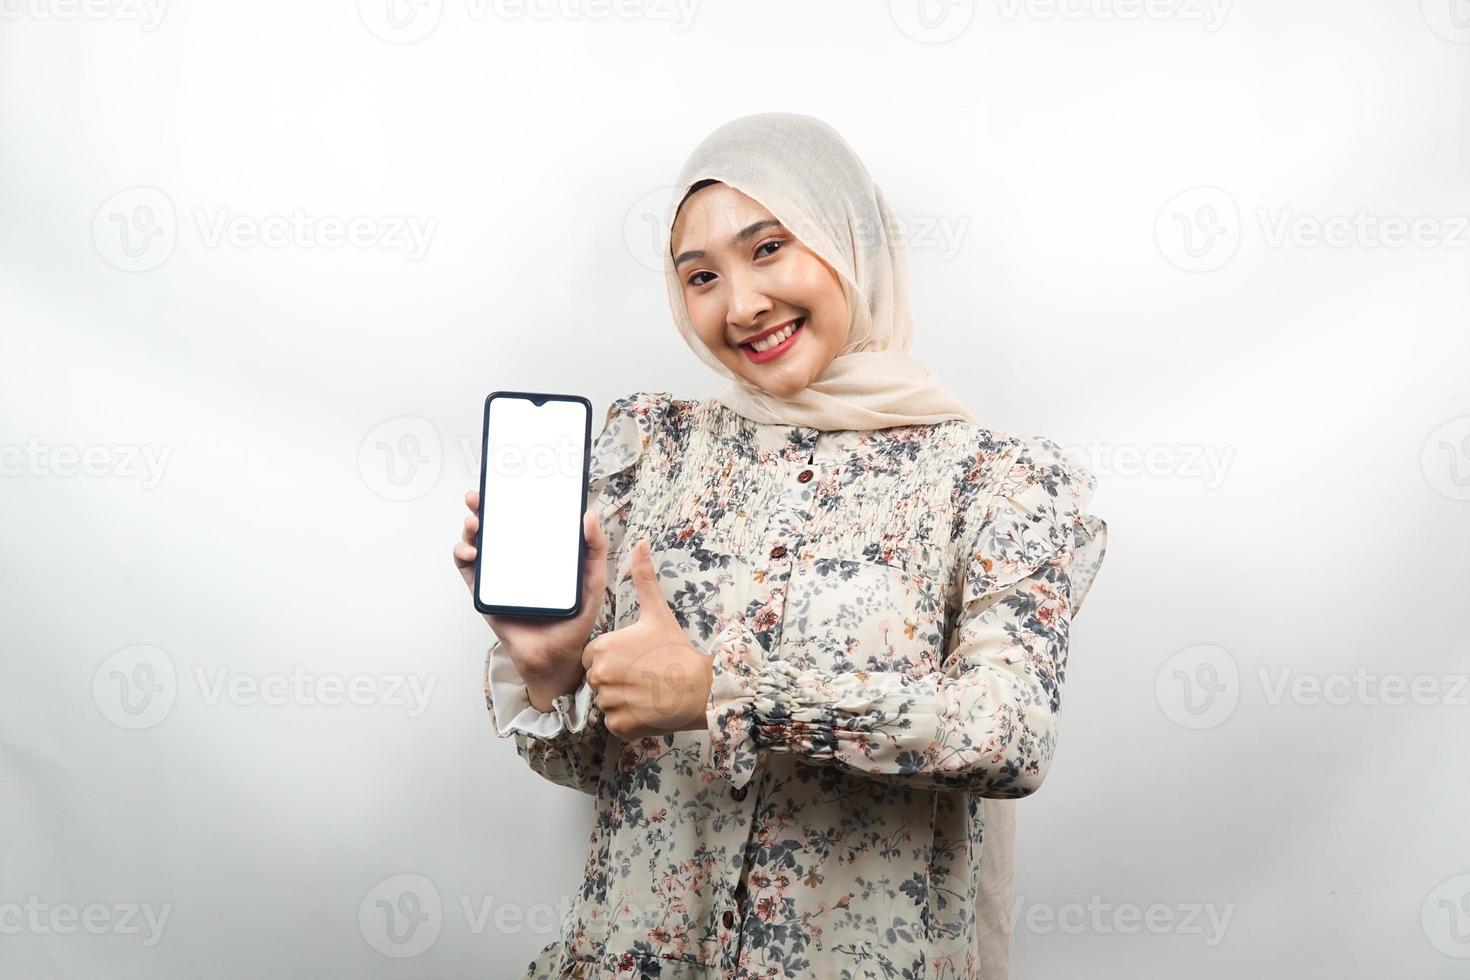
739, 237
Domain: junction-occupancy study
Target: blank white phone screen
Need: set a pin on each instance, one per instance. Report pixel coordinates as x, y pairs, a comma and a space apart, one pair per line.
532, 502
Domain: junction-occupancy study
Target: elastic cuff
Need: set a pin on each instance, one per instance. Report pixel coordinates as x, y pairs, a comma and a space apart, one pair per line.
506, 697
730, 713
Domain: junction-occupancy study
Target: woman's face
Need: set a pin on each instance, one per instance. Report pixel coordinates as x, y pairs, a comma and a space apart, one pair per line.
745, 276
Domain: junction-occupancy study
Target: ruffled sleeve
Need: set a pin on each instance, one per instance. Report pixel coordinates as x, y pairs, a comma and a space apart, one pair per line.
1038, 517
986, 722
1035, 557
565, 745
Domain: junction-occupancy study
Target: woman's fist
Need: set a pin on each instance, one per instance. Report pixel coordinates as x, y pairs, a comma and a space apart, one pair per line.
648, 678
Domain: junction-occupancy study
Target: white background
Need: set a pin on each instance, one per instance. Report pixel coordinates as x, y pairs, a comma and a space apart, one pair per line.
1164, 234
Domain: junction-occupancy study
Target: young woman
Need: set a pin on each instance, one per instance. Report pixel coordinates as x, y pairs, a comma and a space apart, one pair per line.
827, 618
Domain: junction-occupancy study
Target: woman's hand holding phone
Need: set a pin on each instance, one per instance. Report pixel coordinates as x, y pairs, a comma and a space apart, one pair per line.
547, 652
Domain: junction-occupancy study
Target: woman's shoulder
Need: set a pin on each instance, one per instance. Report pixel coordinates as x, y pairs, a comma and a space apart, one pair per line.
640, 403
630, 424
653, 404
1029, 506
1005, 465
661, 413
637, 421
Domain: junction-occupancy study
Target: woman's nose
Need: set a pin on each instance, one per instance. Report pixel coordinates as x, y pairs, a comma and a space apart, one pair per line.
748, 300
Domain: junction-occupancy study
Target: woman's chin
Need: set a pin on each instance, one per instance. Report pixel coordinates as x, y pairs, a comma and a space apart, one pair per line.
782, 380
783, 387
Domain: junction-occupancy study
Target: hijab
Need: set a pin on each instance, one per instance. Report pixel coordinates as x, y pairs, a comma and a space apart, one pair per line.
807, 176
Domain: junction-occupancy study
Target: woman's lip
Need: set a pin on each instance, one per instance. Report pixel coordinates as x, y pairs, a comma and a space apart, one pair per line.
780, 348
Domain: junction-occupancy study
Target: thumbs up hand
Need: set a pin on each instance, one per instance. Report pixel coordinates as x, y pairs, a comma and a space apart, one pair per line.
647, 678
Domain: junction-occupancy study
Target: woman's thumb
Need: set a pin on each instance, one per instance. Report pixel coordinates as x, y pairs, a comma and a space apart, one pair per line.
592, 531
595, 567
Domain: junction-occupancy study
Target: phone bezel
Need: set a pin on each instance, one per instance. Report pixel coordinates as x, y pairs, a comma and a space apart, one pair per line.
540, 397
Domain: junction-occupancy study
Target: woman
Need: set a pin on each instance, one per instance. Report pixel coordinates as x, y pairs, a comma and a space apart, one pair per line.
829, 612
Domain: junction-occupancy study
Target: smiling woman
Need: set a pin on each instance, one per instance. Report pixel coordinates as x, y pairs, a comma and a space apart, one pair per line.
835, 613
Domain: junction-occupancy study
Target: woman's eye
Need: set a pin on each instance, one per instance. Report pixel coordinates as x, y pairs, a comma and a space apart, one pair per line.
774, 241
694, 277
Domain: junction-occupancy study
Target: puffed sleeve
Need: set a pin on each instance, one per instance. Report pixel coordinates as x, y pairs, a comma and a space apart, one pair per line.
566, 745
986, 722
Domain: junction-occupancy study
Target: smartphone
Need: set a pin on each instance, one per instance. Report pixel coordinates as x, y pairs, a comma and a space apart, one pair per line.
533, 491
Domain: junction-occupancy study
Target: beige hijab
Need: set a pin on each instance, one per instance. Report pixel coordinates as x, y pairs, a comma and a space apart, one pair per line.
805, 174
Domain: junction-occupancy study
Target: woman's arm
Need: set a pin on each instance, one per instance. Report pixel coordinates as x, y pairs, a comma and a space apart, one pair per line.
987, 722
567, 744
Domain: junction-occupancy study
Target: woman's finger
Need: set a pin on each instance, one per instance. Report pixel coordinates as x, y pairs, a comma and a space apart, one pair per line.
464, 553
471, 525
472, 500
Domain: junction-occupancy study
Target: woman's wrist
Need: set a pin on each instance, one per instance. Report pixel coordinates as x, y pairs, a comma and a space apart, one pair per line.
542, 691
700, 722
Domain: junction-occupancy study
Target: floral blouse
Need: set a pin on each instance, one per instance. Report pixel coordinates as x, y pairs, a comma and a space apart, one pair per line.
888, 613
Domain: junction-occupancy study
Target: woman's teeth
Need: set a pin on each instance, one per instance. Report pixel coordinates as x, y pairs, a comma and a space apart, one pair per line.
775, 338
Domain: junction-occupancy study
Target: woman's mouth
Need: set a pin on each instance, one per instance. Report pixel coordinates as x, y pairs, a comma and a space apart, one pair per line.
777, 350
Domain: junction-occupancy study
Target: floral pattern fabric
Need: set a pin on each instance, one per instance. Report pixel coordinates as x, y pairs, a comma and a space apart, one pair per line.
888, 614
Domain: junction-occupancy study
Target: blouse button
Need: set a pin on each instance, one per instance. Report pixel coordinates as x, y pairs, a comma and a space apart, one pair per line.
803, 476
729, 919
779, 551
